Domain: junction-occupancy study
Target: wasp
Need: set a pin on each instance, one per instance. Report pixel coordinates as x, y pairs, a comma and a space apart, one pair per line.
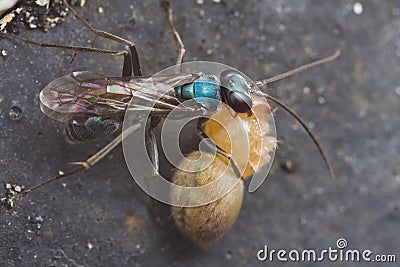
93, 105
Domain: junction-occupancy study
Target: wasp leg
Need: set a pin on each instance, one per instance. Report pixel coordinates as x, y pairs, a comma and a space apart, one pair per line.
75, 49
98, 33
151, 142
216, 148
86, 165
131, 57
175, 33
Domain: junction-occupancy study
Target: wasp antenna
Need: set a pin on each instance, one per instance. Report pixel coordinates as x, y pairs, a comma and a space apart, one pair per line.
299, 69
305, 127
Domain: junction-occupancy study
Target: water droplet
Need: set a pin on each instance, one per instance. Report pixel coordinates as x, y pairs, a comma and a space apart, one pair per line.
15, 113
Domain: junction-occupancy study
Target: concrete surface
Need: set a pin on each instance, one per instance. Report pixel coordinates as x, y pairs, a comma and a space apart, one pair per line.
101, 218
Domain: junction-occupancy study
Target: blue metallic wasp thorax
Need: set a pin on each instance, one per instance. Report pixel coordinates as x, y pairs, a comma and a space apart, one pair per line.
204, 90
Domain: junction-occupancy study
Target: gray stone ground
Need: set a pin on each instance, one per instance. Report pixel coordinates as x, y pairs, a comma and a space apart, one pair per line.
101, 218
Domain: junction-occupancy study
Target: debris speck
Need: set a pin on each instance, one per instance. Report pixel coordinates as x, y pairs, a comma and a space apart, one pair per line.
43, 3
4, 53
6, 19
89, 245
311, 125
13, 191
200, 2
288, 166
358, 8
306, 90
217, 1
320, 90
397, 90
15, 113
202, 13
101, 10
321, 100
228, 255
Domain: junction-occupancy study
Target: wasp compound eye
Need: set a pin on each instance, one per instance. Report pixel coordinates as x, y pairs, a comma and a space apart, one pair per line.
239, 102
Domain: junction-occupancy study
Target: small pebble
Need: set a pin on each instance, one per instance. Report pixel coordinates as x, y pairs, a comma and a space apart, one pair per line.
271, 49
15, 113
101, 10
4, 53
228, 255
321, 100
358, 8
17, 189
42, 2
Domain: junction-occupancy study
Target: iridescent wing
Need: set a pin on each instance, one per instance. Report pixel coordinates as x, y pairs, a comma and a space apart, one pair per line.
88, 94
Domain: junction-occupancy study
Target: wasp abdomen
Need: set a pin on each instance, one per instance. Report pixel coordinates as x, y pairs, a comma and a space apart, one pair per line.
83, 129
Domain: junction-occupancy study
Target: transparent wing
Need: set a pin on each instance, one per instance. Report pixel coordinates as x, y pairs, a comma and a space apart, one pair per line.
90, 94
